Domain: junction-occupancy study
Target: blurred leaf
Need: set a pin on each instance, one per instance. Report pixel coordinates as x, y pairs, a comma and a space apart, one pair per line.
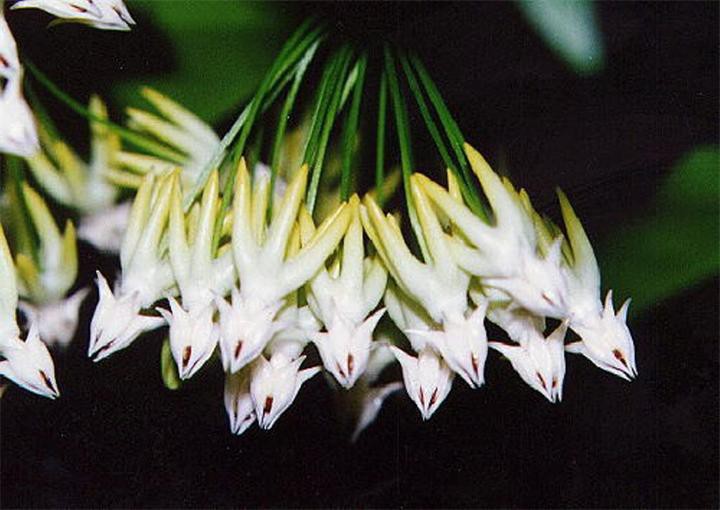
571, 29
222, 49
168, 370
676, 247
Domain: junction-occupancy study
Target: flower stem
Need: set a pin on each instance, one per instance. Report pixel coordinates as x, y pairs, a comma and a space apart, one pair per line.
350, 131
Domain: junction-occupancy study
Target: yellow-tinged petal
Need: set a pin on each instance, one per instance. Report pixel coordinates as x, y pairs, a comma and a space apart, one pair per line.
472, 227
584, 262
147, 245
287, 213
28, 278
353, 251
312, 256
260, 201
168, 133
432, 232
179, 252
138, 217
243, 241
202, 244
69, 256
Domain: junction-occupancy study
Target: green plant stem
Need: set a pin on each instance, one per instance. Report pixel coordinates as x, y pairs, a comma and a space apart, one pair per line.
350, 131
140, 141
380, 138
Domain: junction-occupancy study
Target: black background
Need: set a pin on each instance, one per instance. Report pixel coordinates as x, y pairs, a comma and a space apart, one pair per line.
116, 437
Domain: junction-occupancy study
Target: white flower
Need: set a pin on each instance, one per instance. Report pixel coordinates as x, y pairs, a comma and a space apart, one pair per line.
145, 276
193, 336
439, 285
275, 384
102, 14
342, 298
427, 378
117, 321
9, 62
245, 329
29, 365
18, 133
606, 339
504, 254
238, 401
104, 229
268, 265
56, 321
539, 361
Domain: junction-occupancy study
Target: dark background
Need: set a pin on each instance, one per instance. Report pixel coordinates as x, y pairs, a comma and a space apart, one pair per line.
118, 438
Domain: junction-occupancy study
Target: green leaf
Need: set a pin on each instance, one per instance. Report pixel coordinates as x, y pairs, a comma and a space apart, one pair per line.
675, 248
222, 50
168, 369
570, 28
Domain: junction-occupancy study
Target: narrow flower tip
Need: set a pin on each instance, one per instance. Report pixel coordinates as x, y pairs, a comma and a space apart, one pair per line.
238, 401
117, 322
540, 362
29, 365
246, 327
345, 348
193, 336
275, 384
463, 345
606, 340
427, 378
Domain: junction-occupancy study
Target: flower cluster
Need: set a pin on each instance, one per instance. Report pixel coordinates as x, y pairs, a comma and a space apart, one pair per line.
259, 281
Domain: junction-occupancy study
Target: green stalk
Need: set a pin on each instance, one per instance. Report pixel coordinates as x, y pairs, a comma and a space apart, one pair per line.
140, 141
403, 132
350, 131
339, 81
380, 138
468, 191
284, 116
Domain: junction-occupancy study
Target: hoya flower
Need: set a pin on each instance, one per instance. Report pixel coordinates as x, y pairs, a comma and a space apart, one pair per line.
428, 379
427, 374
145, 276
199, 276
190, 142
102, 14
9, 62
343, 298
238, 401
275, 382
539, 361
438, 285
504, 255
18, 133
606, 339
193, 336
27, 363
56, 321
266, 269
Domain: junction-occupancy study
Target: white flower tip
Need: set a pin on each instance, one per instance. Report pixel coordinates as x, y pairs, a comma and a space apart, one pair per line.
29, 365
427, 379
274, 386
193, 336
238, 402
